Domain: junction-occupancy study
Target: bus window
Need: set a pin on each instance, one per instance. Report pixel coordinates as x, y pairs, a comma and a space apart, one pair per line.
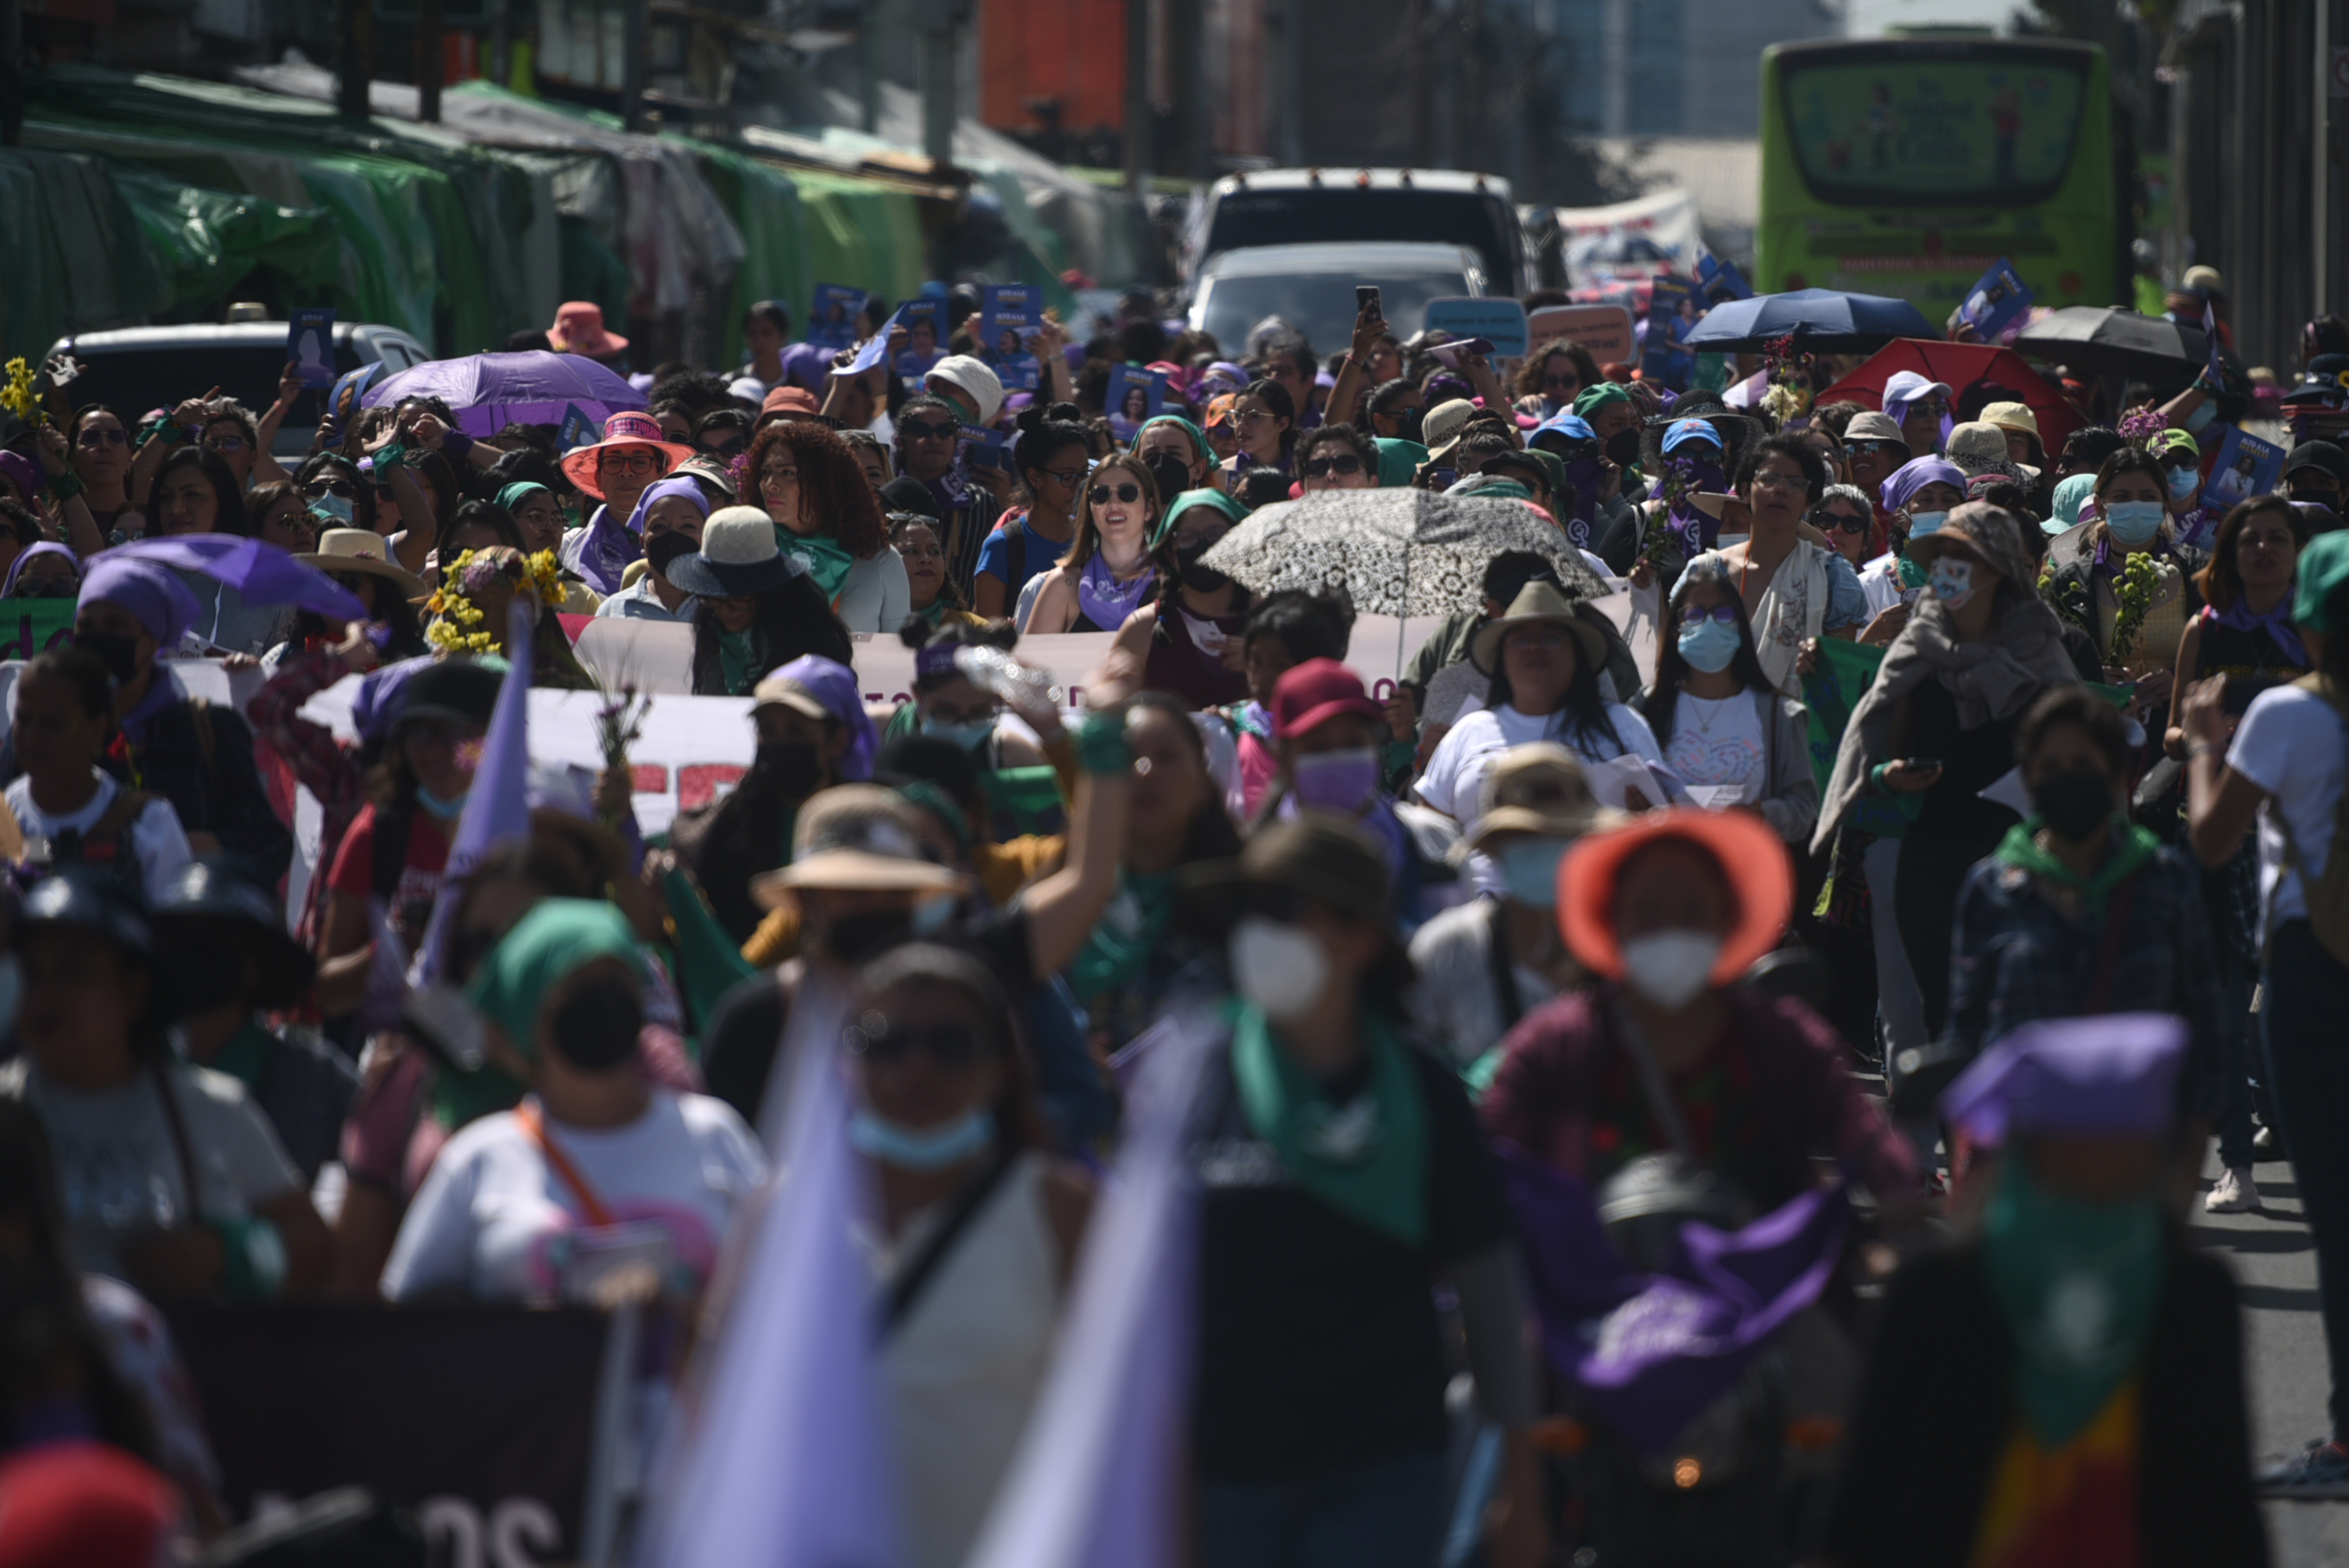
1932, 132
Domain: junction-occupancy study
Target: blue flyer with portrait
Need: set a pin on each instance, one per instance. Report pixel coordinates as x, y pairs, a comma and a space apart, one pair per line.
1673, 310
984, 446
834, 321
1009, 317
2245, 467
1720, 280
925, 335
310, 345
1995, 302
1136, 397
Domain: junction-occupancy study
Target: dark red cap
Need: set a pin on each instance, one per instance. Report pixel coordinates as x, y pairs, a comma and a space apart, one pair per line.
1315, 692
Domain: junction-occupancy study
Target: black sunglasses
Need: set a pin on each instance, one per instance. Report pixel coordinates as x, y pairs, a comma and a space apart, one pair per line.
1322, 467
2180, 461
1844, 521
313, 488
1128, 493
1861, 448
1549, 381
1692, 613
924, 431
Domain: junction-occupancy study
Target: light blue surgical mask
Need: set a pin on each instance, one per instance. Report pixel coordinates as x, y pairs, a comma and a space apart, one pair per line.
446, 810
970, 734
1921, 523
921, 1149
1529, 870
334, 510
2182, 482
2134, 522
1709, 646
1953, 581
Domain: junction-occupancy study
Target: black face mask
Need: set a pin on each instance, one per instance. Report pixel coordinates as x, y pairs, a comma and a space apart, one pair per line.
1198, 578
594, 1026
206, 968
786, 769
1623, 449
854, 938
118, 654
663, 549
2075, 804
1170, 473
1407, 424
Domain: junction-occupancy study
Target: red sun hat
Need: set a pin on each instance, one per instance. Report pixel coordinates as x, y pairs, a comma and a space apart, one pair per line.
629, 428
1752, 862
1315, 692
579, 329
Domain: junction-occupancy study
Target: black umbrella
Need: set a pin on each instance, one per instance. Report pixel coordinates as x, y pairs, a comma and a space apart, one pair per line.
2114, 341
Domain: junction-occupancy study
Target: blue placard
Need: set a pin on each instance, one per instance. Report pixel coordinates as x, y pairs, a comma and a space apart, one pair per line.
310, 345
1136, 396
1009, 317
833, 322
1998, 299
983, 446
1500, 322
924, 321
1719, 279
2245, 467
577, 430
1673, 310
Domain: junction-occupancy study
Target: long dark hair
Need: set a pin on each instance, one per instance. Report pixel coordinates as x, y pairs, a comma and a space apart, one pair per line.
2221, 582
1041, 438
1088, 538
1586, 705
228, 516
1275, 397
1210, 834
1671, 669
791, 619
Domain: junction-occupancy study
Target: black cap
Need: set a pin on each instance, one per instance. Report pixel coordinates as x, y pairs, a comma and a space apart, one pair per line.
456, 690
906, 493
81, 898
2326, 380
2319, 455
203, 889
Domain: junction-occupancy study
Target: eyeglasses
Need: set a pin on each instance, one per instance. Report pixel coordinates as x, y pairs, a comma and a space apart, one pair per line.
93, 439
1843, 521
224, 444
1065, 478
629, 463
1322, 467
1567, 382
314, 488
1691, 614
925, 430
733, 449
1867, 449
1763, 479
1251, 415
1129, 493
949, 1045
1934, 405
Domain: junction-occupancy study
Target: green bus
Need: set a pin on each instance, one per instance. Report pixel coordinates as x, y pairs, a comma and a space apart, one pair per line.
1909, 165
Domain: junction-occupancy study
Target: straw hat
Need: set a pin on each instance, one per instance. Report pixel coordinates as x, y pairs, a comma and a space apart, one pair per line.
629, 428
1537, 789
362, 550
858, 838
1538, 604
739, 557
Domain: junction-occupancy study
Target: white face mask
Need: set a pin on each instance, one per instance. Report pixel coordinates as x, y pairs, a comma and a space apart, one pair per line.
1670, 967
1276, 967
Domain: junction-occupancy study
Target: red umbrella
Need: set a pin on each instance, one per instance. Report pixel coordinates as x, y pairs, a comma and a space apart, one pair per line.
1959, 365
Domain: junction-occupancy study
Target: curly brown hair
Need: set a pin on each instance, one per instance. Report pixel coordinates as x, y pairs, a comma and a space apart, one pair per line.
1529, 373
832, 487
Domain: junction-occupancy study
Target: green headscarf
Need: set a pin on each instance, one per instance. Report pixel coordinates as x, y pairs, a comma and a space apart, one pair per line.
1399, 460
1198, 437
511, 496
1597, 395
1214, 499
2324, 567
827, 560
557, 938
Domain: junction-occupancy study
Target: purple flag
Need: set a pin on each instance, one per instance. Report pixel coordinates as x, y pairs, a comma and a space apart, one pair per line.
783, 1458
497, 808
1652, 1351
1098, 1481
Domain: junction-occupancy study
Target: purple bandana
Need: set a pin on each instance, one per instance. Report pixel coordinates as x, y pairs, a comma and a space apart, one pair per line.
2276, 623
1696, 531
1106, 602
600, 553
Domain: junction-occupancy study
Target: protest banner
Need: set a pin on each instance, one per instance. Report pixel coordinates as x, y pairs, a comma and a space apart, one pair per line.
1500, 322
1605, 330
485, 1419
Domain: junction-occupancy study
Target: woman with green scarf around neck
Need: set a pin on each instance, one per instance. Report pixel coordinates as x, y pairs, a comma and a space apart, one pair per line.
828, 519
1343, 1176
594, 1148
2067, 1384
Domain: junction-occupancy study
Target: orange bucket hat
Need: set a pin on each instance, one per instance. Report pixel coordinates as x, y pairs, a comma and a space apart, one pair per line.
1753, 860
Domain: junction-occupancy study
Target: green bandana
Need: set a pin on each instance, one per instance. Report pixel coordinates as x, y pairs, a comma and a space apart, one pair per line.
247, 1053
557, 937
459, 1099
934, 613
2077, 1285
1366, 1158
513, 494
1399, 460
737, 659
2021, 849
827, 560
1192, 433
1124, 936
1911, 576
1597, 395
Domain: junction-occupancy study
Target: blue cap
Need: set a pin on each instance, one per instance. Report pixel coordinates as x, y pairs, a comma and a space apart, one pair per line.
1570, 425
1689, 430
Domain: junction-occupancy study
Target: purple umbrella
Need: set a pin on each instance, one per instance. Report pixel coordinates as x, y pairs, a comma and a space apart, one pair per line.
490, 391
260, 571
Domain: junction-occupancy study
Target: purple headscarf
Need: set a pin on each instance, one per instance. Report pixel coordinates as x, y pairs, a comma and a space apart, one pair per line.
382, 693
150, 591
1915, 475
47, 547
24, 472
688, 489
835, 686
1906, 387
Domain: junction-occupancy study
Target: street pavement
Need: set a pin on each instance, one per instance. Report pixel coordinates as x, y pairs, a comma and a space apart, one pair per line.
2283, 1349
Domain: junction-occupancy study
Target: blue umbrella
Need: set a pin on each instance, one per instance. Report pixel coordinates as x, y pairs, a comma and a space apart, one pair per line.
1821, 320
261, 573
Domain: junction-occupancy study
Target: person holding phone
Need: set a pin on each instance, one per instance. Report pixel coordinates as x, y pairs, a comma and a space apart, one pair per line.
1936, 726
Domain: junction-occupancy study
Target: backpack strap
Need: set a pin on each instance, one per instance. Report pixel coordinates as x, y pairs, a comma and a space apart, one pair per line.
905, 1290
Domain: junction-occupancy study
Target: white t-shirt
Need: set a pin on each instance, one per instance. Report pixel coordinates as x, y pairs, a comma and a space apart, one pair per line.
1454, 1001
1879, 579
2291, 744
1454, 776
1719, 745
495, 1220
156, 837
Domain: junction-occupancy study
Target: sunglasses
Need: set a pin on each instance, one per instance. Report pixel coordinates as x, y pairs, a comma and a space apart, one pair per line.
733, 449
925, 430
1693, 614
2180, 461
1569, 382
94, 439
1867, 449
224, 444
1322, 467
1129, 493
1843, 521
950, 1045
314, 488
